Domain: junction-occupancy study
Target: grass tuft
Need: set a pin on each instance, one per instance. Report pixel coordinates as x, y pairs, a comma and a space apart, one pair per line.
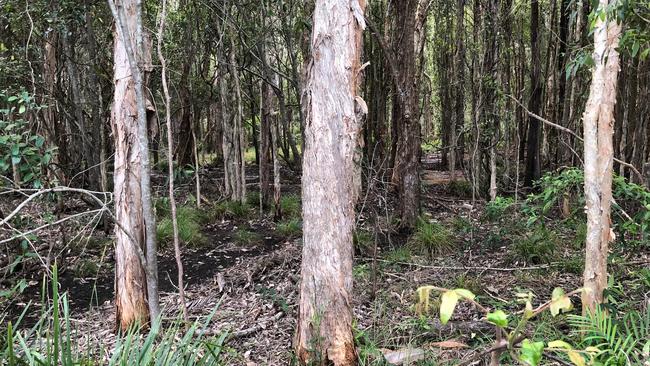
431, 238
247, 237
291, 207
190, 220
290, 229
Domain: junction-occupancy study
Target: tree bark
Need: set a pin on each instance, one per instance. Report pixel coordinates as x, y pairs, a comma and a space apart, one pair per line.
136, 277
324, 332
406, 115
598, 129
533, 169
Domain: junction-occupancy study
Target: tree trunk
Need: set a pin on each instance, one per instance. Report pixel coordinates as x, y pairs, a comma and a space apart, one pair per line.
136, 280
533, 169
406, 118
324, 332
457, 150
598, 120
265, 144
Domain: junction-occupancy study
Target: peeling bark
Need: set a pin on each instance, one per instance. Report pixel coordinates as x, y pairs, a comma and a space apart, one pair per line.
598, 130
324, 332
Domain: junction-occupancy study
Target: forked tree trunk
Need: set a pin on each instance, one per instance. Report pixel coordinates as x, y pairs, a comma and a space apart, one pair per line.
598, 129
324, 332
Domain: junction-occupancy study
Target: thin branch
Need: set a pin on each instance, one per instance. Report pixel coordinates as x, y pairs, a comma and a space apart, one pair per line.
564, 129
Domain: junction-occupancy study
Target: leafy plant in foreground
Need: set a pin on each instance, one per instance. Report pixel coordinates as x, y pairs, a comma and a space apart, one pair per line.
510, 329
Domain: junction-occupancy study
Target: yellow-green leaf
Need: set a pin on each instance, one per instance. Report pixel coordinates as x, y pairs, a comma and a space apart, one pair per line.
576, 358
467, 294
559, 301
559, 344
448, 303
423, 299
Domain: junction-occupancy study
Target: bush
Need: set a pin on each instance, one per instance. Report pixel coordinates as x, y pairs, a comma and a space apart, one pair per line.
430, 238
495, 209
190, 220
19, 146
536, 247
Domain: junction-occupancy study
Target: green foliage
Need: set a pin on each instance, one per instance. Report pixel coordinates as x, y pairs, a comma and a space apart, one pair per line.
190, 221
253, 198
363, 241
460, 188
21, 150
49, 341
360, 271
553, 187
290, 205
246, 237
537, 246
229, 210
461, 225
431, 238
568, 184
495, 209
290, 229
401, 254
619, 341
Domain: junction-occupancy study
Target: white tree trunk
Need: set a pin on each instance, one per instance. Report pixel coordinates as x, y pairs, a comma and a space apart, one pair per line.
598, 132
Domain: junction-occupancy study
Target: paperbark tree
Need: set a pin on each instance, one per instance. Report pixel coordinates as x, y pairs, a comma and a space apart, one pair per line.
324, 332
136, 278
598, 157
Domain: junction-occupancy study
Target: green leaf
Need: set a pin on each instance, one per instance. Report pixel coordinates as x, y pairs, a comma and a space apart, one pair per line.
531, 352
39, 141
448, 302
498, 318
15, 159
22, 109
467, 294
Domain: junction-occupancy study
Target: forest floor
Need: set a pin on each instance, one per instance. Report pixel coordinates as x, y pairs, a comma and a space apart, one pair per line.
247, 268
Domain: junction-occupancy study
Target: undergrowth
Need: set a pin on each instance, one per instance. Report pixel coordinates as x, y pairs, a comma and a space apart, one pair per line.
431, 238
50, 341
